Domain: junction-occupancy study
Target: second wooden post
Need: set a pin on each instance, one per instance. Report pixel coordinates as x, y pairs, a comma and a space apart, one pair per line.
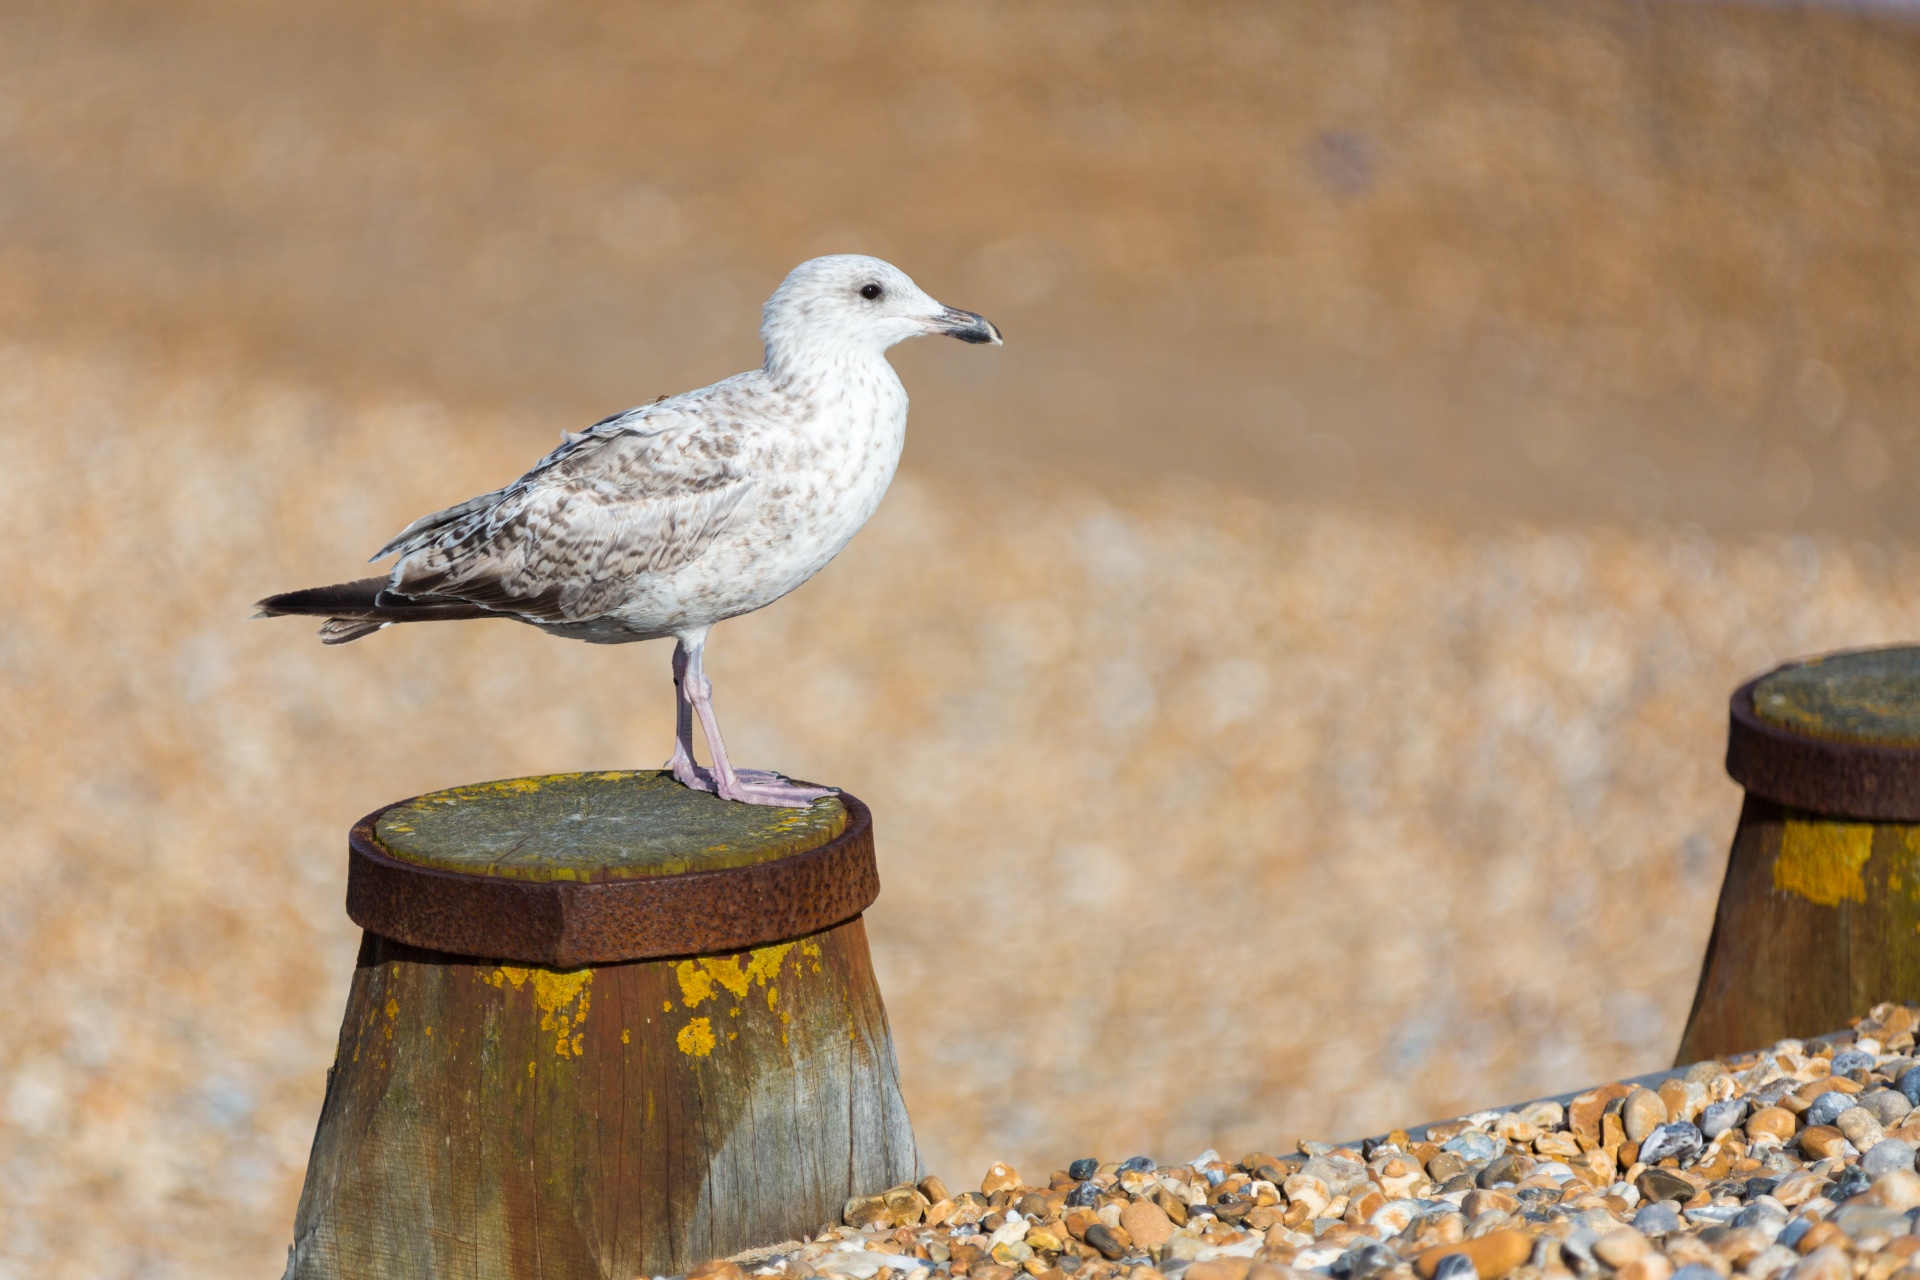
600, 1026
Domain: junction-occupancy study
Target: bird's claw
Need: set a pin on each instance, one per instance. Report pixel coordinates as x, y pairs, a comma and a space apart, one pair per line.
749, 786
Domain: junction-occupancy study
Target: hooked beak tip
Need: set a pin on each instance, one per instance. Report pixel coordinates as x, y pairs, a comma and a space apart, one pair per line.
968, 327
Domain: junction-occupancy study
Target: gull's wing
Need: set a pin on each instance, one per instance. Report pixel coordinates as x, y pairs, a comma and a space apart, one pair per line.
641, 493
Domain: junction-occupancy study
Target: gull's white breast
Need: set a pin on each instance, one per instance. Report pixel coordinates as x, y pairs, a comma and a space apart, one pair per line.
819, 472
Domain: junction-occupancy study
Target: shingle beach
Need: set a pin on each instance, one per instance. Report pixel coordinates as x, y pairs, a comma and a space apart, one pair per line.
1797, 1161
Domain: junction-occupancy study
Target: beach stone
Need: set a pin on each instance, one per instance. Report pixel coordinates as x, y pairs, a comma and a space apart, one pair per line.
1000, 1177
1147, 1223
1473, 1146
1850, 1182
1445, 1165
1137, 1164
1829, 1262
1861, 1128
1680, 1139
1456, 1266
1909, 1085
1659, 1184
1889, 1106
1502, 1169
1848, 1061
1696, 1271
718, 1269
1822, 1140
1493, 1255
1654, 1266
1643, 1113
1617, 1248
1826, 1107
863, 1211
1083, 1168
1660, 1218
1102, 1237
1084, 1196
1777, 1121
1886, 1156
1719, 1117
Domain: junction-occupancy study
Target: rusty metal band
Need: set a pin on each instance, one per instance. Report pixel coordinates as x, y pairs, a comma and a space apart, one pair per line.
567, 923
1861, 780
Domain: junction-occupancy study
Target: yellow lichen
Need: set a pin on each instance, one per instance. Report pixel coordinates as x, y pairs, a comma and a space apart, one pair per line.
1823, 861
701, 979
625, 1036
696, 1038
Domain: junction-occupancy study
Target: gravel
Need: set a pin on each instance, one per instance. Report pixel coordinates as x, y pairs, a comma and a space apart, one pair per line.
1746, 1174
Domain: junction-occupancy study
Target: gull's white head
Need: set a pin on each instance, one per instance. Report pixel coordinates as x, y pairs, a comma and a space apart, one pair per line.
855, 304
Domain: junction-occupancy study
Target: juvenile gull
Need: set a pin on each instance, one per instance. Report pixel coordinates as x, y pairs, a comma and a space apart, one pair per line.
668, 518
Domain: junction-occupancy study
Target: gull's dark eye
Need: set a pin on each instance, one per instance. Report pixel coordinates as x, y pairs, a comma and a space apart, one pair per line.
869, 291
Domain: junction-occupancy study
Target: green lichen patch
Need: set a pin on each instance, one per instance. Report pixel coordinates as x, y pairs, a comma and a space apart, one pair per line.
1871, 696
597, 826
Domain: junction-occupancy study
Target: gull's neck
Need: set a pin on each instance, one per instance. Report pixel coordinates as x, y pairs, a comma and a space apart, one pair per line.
829, 370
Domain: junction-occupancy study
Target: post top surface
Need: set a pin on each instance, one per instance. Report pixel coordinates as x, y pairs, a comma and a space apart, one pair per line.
597, 826
1872, 696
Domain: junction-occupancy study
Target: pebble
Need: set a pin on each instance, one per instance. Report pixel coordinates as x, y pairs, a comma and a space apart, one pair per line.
1776, 1195
1827, 1107
1849, 1061
1679, 1140
1776, 1122
1658, 1184
1147, 1223
1000, 1177
1719, 1117
1493, 1254
1643, 1113
1473, 1146
1659, 1218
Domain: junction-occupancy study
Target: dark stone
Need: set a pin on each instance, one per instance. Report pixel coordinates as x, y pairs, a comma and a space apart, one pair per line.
1443, 1166
1499, 1170
1458, 1182
1102, 1238
1034, 1205
1851, 1182
1849, 1060
1659, 1184
1455, 1266
1084, 1196
1083, 1168
1909, 1084
1138, 1164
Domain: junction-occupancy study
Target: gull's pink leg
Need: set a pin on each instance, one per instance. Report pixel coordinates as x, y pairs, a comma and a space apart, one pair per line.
685, 771
748, 786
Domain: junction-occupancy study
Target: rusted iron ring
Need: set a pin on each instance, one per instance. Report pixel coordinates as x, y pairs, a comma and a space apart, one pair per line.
568, 923
1862, 780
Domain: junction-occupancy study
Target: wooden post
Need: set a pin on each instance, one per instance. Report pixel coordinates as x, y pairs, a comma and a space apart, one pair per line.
1819, 917
600, 1027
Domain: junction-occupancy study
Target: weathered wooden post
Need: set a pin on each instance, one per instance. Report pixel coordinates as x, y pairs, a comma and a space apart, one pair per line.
1819, 917
600, 1027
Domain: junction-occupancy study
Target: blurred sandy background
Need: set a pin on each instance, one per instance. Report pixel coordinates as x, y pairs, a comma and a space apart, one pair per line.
1289, 677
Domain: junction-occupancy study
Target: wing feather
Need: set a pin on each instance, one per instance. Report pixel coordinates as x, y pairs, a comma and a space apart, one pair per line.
565, 542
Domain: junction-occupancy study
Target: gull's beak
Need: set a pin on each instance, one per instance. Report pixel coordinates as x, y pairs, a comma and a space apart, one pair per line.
966, 326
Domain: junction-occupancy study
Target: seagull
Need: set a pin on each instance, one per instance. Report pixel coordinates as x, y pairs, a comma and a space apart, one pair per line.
670, 517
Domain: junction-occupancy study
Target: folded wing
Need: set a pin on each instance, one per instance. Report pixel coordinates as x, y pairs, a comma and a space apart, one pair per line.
565, 542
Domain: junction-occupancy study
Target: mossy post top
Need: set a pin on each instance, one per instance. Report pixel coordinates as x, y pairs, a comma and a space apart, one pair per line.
596, 826
594, 868
1872, 695
1838, 735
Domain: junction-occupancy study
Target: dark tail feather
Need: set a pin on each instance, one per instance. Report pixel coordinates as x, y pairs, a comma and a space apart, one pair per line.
356, 609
